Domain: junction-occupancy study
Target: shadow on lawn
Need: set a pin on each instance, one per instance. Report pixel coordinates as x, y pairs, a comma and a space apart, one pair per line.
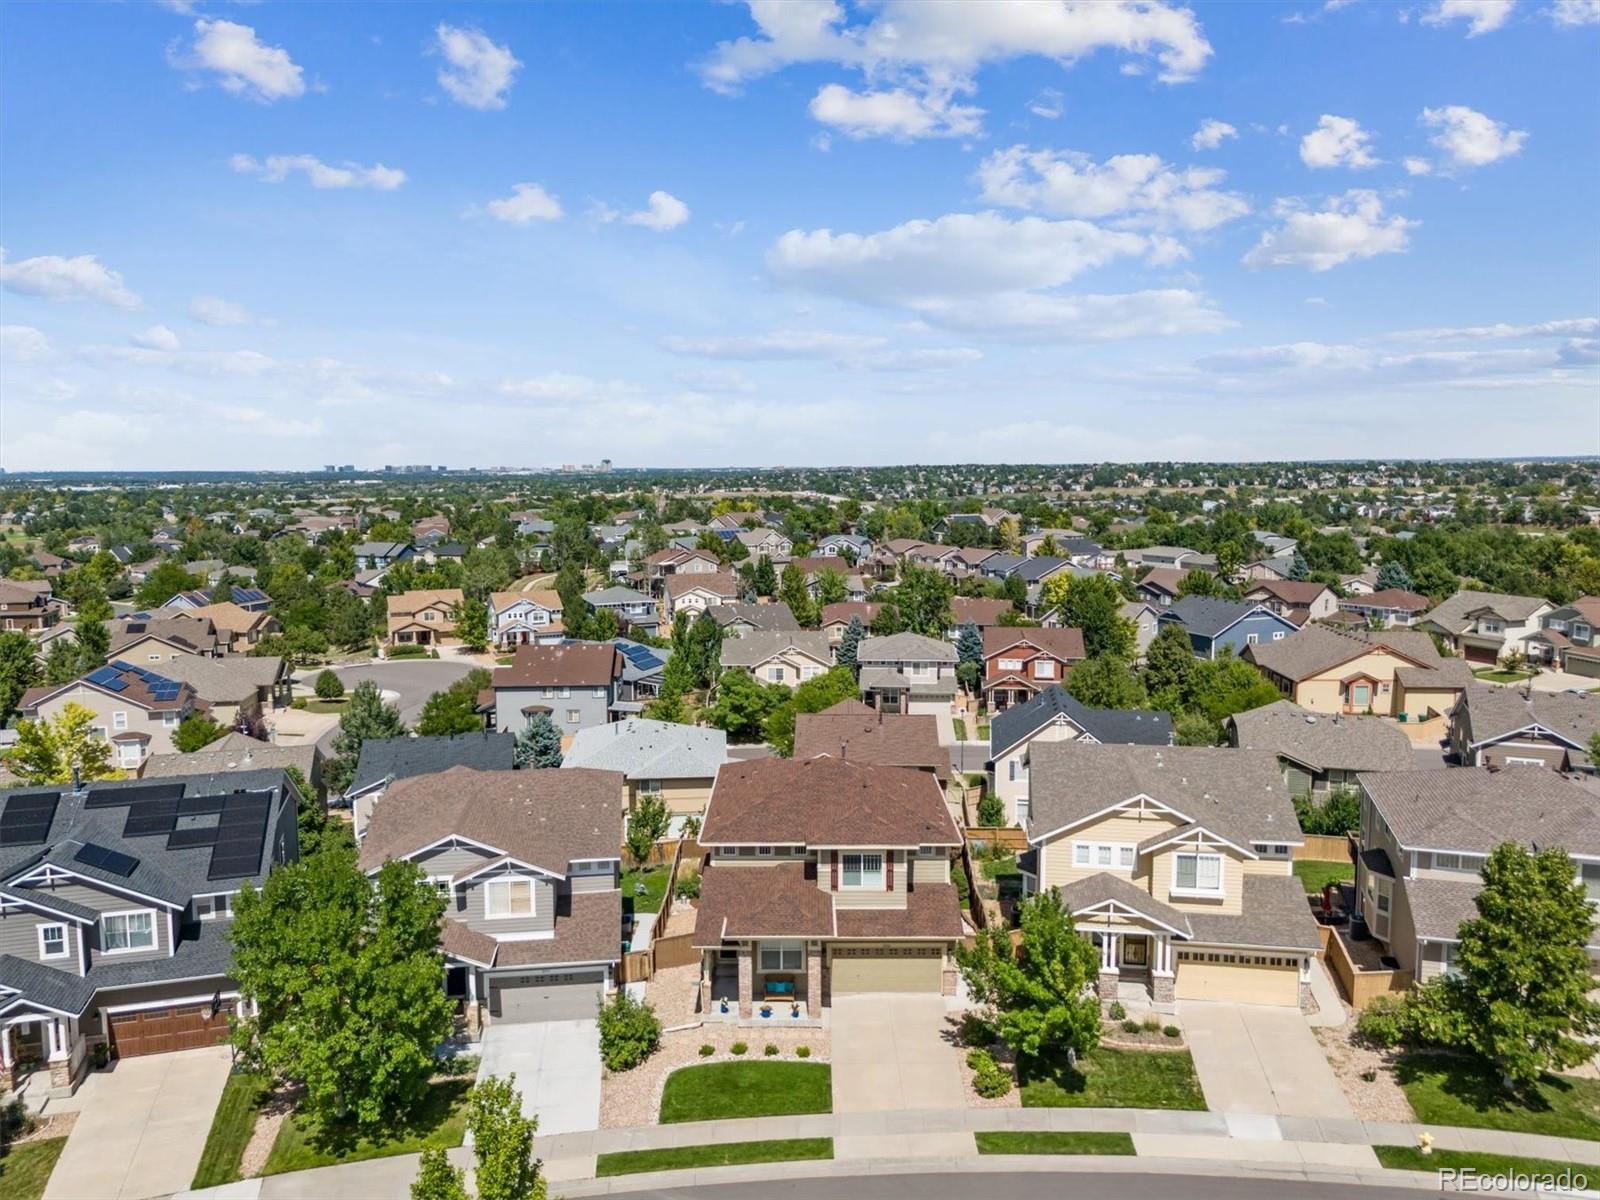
345, 1139
1475, 1084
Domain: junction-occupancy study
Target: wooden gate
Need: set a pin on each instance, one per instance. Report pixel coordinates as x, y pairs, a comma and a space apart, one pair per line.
160, 1030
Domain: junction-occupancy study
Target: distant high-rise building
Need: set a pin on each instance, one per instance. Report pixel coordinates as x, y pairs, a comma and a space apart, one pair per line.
605, 466
331, 469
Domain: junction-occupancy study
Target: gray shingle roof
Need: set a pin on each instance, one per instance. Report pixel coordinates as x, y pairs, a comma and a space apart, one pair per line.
1438, 906
203, 951
31, 981
404, 757
756, 647
904, 647
643, 749
1473, 810
1452, 614
763, 617
1493, 712
1106, 725
1318, 648
1238, 794
891, 680
1276, 916
1102, 886
1321, 742
1209, 617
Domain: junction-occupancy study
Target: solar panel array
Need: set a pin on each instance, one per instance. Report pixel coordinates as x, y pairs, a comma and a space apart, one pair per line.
27, 817
192, 838
114, 861
248, 595
107, 677
241, 833
150, 817
115, 797
641, 656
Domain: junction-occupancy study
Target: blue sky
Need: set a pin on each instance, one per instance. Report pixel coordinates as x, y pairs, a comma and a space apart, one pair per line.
274, 235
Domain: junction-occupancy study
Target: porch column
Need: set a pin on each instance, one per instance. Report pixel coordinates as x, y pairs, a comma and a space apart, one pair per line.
813, 979
53, 1027
746, 978
1162, 982
1106, 983
5, 1057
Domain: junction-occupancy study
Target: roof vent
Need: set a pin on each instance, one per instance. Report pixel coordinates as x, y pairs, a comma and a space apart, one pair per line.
1311, 718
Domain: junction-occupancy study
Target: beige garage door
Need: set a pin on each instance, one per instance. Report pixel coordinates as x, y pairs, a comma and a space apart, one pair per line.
1243, 981
887, 969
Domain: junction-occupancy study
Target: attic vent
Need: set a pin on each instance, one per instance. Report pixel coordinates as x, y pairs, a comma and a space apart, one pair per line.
1311, 719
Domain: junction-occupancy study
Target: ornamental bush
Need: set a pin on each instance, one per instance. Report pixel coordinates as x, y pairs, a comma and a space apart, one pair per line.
989, 1080
329, 686
629, 1032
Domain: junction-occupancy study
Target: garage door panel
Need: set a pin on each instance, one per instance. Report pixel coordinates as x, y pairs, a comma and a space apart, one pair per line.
162, 1030
856, 969
1238, 983
1589, 667
564, 996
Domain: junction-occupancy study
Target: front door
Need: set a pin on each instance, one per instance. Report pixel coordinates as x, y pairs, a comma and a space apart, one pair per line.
1135, 952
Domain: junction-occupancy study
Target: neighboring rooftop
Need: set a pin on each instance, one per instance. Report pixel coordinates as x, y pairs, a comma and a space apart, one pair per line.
1493, 712
642, 749
1472, 810
904, 647
1456, 613
825, 802
756, 647
1108, 726
1320, 742
879, 739
569, 664
403, 757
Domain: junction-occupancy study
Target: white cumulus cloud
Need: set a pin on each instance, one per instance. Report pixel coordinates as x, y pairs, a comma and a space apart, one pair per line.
1417, 166
243, 64
1347, 227
23, 344
1469, 138
1338, 142
479, 73
1575, 12
1137, 189
664, 211
157, 337
1481, 16
53, 277
278, 167
527, 202
1211, 134
214, 310
896, 113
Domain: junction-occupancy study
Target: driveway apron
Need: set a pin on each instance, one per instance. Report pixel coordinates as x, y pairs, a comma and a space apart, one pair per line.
1262, 1059
889, 1053
557, 1064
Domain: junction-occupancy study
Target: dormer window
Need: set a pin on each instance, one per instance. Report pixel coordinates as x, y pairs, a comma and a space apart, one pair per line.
504, 898
861, 871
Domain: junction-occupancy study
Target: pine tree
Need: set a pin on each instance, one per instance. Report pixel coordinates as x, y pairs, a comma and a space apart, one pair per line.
765, 577
793, 592
849, 643
969, 644
1394, 575
1299, 569
538, 745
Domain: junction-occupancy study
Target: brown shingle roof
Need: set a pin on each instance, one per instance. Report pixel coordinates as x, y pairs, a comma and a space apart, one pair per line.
1319, 648
1299, 593
879, 739
931, 911
843, 610
588, 929
825, 802
547, 819
571, 664
1063, 644
1488, 713
778, 900
1395, 598
718, 583
979, 610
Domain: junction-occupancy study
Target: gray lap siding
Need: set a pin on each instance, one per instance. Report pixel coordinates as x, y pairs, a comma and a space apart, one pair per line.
469, 907
19, 935
108, 902
592, 705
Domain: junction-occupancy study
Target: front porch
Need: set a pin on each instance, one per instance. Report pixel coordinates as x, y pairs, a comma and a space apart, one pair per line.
40, 1050
781, 977
1139, 964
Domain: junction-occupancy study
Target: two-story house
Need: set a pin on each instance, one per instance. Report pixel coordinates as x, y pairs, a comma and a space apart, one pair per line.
135, 709
836, 618
740, 617
240, 628
373, 556
856, 732
1319, 752
677, 763
845, 545
633, 609
976, 610
690, 594
677, 560
1055, 716
25, 605
1019, 663
530, 868
1382, 672
907, 673
1146, 620
824, 877
575, 683
770, 543
1390, 608
1484, 627
786, 656
1215, 625
1161, 586
1176, 862
1298, 600
383, 761
1509, 727
1569, 638
115, 900
425, 617
165, 636
517, 618
1426, 834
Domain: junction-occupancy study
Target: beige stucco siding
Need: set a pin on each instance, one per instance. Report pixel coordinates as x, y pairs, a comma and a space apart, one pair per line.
885, 897
684, 797
105, 708
1321, 693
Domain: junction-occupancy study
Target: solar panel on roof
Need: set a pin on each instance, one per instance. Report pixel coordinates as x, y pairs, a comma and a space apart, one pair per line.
149, 817
188, 839
114, 861
195, 806
241, 834
115, 797
27, 818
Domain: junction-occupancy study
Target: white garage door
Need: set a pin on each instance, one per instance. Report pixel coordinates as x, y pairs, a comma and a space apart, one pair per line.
551, 996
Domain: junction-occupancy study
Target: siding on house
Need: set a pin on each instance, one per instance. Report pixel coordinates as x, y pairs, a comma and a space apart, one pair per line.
469, 907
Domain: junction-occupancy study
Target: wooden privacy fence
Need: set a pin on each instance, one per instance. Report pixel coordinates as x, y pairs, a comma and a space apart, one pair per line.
637, 966
1360, 985
1014, 840
1323, 848
675, 951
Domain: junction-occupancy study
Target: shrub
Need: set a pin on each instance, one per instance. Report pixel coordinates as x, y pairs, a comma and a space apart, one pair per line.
1172, 1031
991, 810
977, 1029
629, 1032
770, 1050
1116, 1012
989, 1080
1370, 1075
1130, 1026
408, 650
458, 1066
299, 703
707, 1050
1383, 1022
329, 686
958, 876
689, 885
802, 1051
738, 1048
1151, 1024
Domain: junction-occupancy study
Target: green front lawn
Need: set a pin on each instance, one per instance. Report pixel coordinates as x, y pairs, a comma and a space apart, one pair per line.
1451, 1090
655, 889
719, 1091
960, 728
230, 1130
1409, 1158
25, 1169
441, 1121
326, 706
1494, 675
679, 1158
1054, 1143
1111, 1078
1314, 874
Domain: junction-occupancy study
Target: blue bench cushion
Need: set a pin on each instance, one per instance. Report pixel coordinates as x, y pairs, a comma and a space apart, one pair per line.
780, 987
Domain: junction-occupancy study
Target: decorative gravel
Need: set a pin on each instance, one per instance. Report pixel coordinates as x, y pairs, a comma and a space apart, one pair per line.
672, 994
1380, 1100
630, 1098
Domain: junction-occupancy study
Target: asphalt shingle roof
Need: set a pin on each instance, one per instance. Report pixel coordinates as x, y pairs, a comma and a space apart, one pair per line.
404, 757
643, 749
1108, 726
1493, 712
1323, 742
1473, 810
1207, 616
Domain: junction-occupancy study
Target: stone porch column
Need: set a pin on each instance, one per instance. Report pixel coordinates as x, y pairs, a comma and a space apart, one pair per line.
1106, 983
746, 978
60, 1054
1162, 979
813, 979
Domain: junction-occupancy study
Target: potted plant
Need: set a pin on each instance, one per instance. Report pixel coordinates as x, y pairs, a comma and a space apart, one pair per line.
102, 1055
794, 1008
724, 1007
766, 1010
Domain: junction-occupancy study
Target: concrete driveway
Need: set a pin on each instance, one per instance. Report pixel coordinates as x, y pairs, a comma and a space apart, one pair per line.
557, 1064
141, 1127
1261, 1059
890, 1053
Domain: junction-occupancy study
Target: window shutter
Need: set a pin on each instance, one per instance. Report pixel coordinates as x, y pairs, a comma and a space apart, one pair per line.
888, 870
835, 886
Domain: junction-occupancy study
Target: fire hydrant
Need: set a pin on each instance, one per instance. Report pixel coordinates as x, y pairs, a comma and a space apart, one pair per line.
1425, 1142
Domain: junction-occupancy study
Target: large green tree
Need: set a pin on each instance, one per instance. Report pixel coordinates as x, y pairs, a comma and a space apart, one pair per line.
743, 705
195, 732
1106, 681
1042, 986
346, 972
471, 619
1168, 664
920, 603
455, 709
54, 750
20, 669
1093, 604
538, 744
365, 716
793, 591
812, 696
1519, 996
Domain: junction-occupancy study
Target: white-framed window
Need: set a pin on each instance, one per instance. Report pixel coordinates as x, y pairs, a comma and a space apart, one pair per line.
508, 898
574, 715
1197, 872
764, 851
1043, 668
566, 693
128, 754
53, 941
547, 693
1252, 638
169, 719
1524, 762
1581, 632
783, 956
1270, 850
861, 871
125, 932
775, 674
1011, 664
430, 615
650, 787
1277, 637
1107, 856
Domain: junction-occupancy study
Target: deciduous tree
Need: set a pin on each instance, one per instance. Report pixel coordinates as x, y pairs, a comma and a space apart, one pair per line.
51, 751
454, 709
437, 1179
1093, 604
743, 705
1106, 681
471, 618
502, 1143
20, 670
195, 732
648, 823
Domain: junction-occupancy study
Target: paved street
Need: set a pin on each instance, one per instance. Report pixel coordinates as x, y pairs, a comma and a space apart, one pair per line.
412, 680
1260, 1059
141, 1127
557, 1065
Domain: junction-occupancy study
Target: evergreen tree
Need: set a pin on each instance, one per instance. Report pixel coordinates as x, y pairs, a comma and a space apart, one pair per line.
1394, 575
969, 644
765, 577
93, 643
669, 707
538, 745
1299, 569
365, 716
793, 592
328, 686
849, 643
